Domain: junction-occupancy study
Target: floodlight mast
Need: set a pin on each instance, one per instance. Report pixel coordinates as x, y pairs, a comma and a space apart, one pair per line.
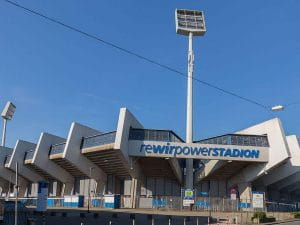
7, 114
191, 23
189, 110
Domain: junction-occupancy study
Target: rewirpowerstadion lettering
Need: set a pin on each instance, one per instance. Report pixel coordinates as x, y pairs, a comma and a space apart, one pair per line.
197, 151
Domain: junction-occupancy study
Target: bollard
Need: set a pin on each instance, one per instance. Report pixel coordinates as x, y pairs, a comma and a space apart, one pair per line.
132, 217
197, 221
208, 220
184, 221
150, 217
169, 219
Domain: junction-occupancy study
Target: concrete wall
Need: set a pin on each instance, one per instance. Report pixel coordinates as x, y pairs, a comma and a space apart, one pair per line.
126, 120
279, 153
72, 153
152, 186
288, 181
18, 156
9, 175
216, 188
4, 186
41, 160
286, 170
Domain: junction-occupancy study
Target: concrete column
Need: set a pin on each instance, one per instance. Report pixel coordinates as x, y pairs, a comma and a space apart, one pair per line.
100, 186
23, 188
245, 190
135, 192
68, 189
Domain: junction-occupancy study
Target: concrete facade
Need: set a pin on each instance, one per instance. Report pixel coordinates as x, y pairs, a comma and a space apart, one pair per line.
102, 160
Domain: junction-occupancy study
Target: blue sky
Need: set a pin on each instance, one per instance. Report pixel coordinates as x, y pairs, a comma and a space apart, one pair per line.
56, 76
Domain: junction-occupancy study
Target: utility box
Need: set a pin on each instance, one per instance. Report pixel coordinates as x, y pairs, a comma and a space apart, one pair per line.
76, 201
112, 201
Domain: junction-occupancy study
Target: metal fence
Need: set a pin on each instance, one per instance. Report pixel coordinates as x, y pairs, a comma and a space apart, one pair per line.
238, 139
7, 160
99, 139
153, 135
209, 204
57, 148
281, 207
29, 154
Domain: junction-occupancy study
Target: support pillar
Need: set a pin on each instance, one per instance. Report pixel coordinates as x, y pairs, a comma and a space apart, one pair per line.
135, 192
245, 191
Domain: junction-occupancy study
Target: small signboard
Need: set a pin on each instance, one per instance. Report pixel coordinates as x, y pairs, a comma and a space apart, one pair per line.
188, 197
258, 200
233, 194
42, 196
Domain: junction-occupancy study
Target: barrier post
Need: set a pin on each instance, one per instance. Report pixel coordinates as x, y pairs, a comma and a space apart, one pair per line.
132, 216
169, 219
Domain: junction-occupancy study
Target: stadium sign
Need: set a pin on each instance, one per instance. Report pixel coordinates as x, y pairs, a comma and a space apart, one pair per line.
198, 151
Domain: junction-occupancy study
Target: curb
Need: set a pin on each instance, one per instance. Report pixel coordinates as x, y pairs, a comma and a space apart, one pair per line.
282, 221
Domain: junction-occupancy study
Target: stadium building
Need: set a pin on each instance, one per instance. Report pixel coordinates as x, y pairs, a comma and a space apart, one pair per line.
140, 163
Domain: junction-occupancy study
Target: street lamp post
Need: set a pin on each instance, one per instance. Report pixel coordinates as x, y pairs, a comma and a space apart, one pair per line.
89, 188
7, 114
190, 23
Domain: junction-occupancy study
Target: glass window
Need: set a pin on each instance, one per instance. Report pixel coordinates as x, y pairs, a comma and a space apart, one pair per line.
247, 140
219, 140
234, 140
240, 140
265, 142
258, 141
252, 141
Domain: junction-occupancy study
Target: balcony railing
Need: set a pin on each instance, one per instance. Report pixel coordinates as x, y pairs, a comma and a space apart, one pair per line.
238, 139
153, 135
7, 159
29, 154
99, 139
57, 148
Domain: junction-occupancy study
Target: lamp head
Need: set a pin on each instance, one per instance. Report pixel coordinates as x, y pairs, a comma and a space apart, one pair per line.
8, 111
190, 21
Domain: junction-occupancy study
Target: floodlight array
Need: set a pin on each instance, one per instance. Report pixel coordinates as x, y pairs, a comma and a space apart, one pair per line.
190, 21
8, 111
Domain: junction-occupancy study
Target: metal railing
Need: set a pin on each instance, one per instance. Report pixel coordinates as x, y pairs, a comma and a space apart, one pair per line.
281, 207
99, 139
7, 159
238, 139
213, 204
29, 154
57, 148
153, 135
